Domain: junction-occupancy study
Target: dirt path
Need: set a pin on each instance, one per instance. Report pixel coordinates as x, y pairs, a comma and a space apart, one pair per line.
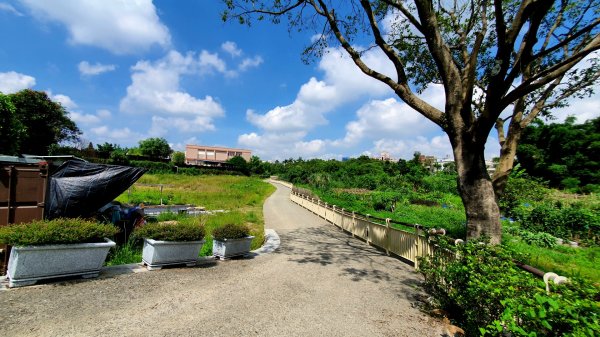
320, 282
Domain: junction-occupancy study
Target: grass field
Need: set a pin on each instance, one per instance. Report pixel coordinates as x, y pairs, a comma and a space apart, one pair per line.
241, 199
563, 260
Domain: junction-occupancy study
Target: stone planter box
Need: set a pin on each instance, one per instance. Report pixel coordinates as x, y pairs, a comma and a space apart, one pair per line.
29, 264
232, 247
157, 254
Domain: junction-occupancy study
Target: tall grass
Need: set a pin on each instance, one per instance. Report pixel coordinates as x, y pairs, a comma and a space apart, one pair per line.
563, 260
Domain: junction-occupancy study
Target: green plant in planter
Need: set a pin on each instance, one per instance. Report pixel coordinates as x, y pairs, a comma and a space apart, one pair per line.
177, 231
230, 231
57, 231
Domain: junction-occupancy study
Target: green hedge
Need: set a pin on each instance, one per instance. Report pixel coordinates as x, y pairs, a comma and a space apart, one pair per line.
487, 294
57, 231
230, 231
183, 230
569, 222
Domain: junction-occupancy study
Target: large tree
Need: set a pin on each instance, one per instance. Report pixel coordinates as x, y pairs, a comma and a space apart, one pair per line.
44, 122
11, 128
155, 148
488, 54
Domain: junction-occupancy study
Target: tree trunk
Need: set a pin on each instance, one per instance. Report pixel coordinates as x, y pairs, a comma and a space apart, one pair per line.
476, 190
508, 151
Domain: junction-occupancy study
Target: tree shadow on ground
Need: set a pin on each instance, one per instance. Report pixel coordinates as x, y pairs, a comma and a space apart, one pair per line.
329, 246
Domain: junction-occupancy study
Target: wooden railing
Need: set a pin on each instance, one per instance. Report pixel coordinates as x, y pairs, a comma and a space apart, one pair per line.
407, 245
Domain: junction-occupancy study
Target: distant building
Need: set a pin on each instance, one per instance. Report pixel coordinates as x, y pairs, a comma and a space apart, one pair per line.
211, 155
385, 156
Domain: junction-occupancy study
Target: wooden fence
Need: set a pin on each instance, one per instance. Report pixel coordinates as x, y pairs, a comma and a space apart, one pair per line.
409, 246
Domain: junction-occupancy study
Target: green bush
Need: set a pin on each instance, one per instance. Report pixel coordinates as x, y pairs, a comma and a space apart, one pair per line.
184, 230
487, 294
569, 310
539, 239
57, 231
567, 222
230, 231
520, 190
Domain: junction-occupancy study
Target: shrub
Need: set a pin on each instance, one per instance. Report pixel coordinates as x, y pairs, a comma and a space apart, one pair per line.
488, 295
569, 310
539, 239
57, 231
230, 231
566, 222
472, 286
179, 231
520, 190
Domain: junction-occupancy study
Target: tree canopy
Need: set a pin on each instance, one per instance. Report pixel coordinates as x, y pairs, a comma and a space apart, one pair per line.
36, 123
567, 155
155, 148
488, 55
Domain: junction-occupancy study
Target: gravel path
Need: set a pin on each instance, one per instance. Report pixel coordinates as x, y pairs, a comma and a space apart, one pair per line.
319, 282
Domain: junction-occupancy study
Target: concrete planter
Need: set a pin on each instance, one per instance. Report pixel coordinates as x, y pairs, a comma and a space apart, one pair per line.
29, 264
157, 254
232, 247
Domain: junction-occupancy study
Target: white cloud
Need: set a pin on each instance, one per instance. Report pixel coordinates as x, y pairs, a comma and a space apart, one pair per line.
392, 118
210, 62
248, 63
583, 109
87, 69
282, 145
161, 125
85, 119
104, 113
342, 83
119, 136
314, 99
11, 82
10, 9
155, 90
64, 100
231, 48
122, 27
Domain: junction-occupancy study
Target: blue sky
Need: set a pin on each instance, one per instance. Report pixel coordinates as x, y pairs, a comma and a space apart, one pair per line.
130, 70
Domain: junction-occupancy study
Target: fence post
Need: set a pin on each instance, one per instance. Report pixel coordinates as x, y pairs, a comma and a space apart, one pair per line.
417, 246
353, 224
368, 236
342, 219
387, 236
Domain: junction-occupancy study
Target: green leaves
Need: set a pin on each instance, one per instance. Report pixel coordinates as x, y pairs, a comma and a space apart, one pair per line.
57, 231
489, 296
184, 230
230, 231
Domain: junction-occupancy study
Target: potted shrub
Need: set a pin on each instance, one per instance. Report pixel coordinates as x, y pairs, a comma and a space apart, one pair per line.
231, 240
171, 242
57, 248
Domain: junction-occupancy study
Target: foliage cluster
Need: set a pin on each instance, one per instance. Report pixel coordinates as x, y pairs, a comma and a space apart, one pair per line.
487, 294
521, 189
569, 222
188, 229
31, 123
540, 239
155, 148
57, 231
396, 190
564, 154
230, 231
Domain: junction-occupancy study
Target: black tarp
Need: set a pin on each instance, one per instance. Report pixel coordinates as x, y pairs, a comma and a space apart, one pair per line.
79, 189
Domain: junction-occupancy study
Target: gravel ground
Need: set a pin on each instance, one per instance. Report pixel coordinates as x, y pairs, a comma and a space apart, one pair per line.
319, 282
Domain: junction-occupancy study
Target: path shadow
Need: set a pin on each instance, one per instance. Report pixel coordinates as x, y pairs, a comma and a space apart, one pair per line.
328, 245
